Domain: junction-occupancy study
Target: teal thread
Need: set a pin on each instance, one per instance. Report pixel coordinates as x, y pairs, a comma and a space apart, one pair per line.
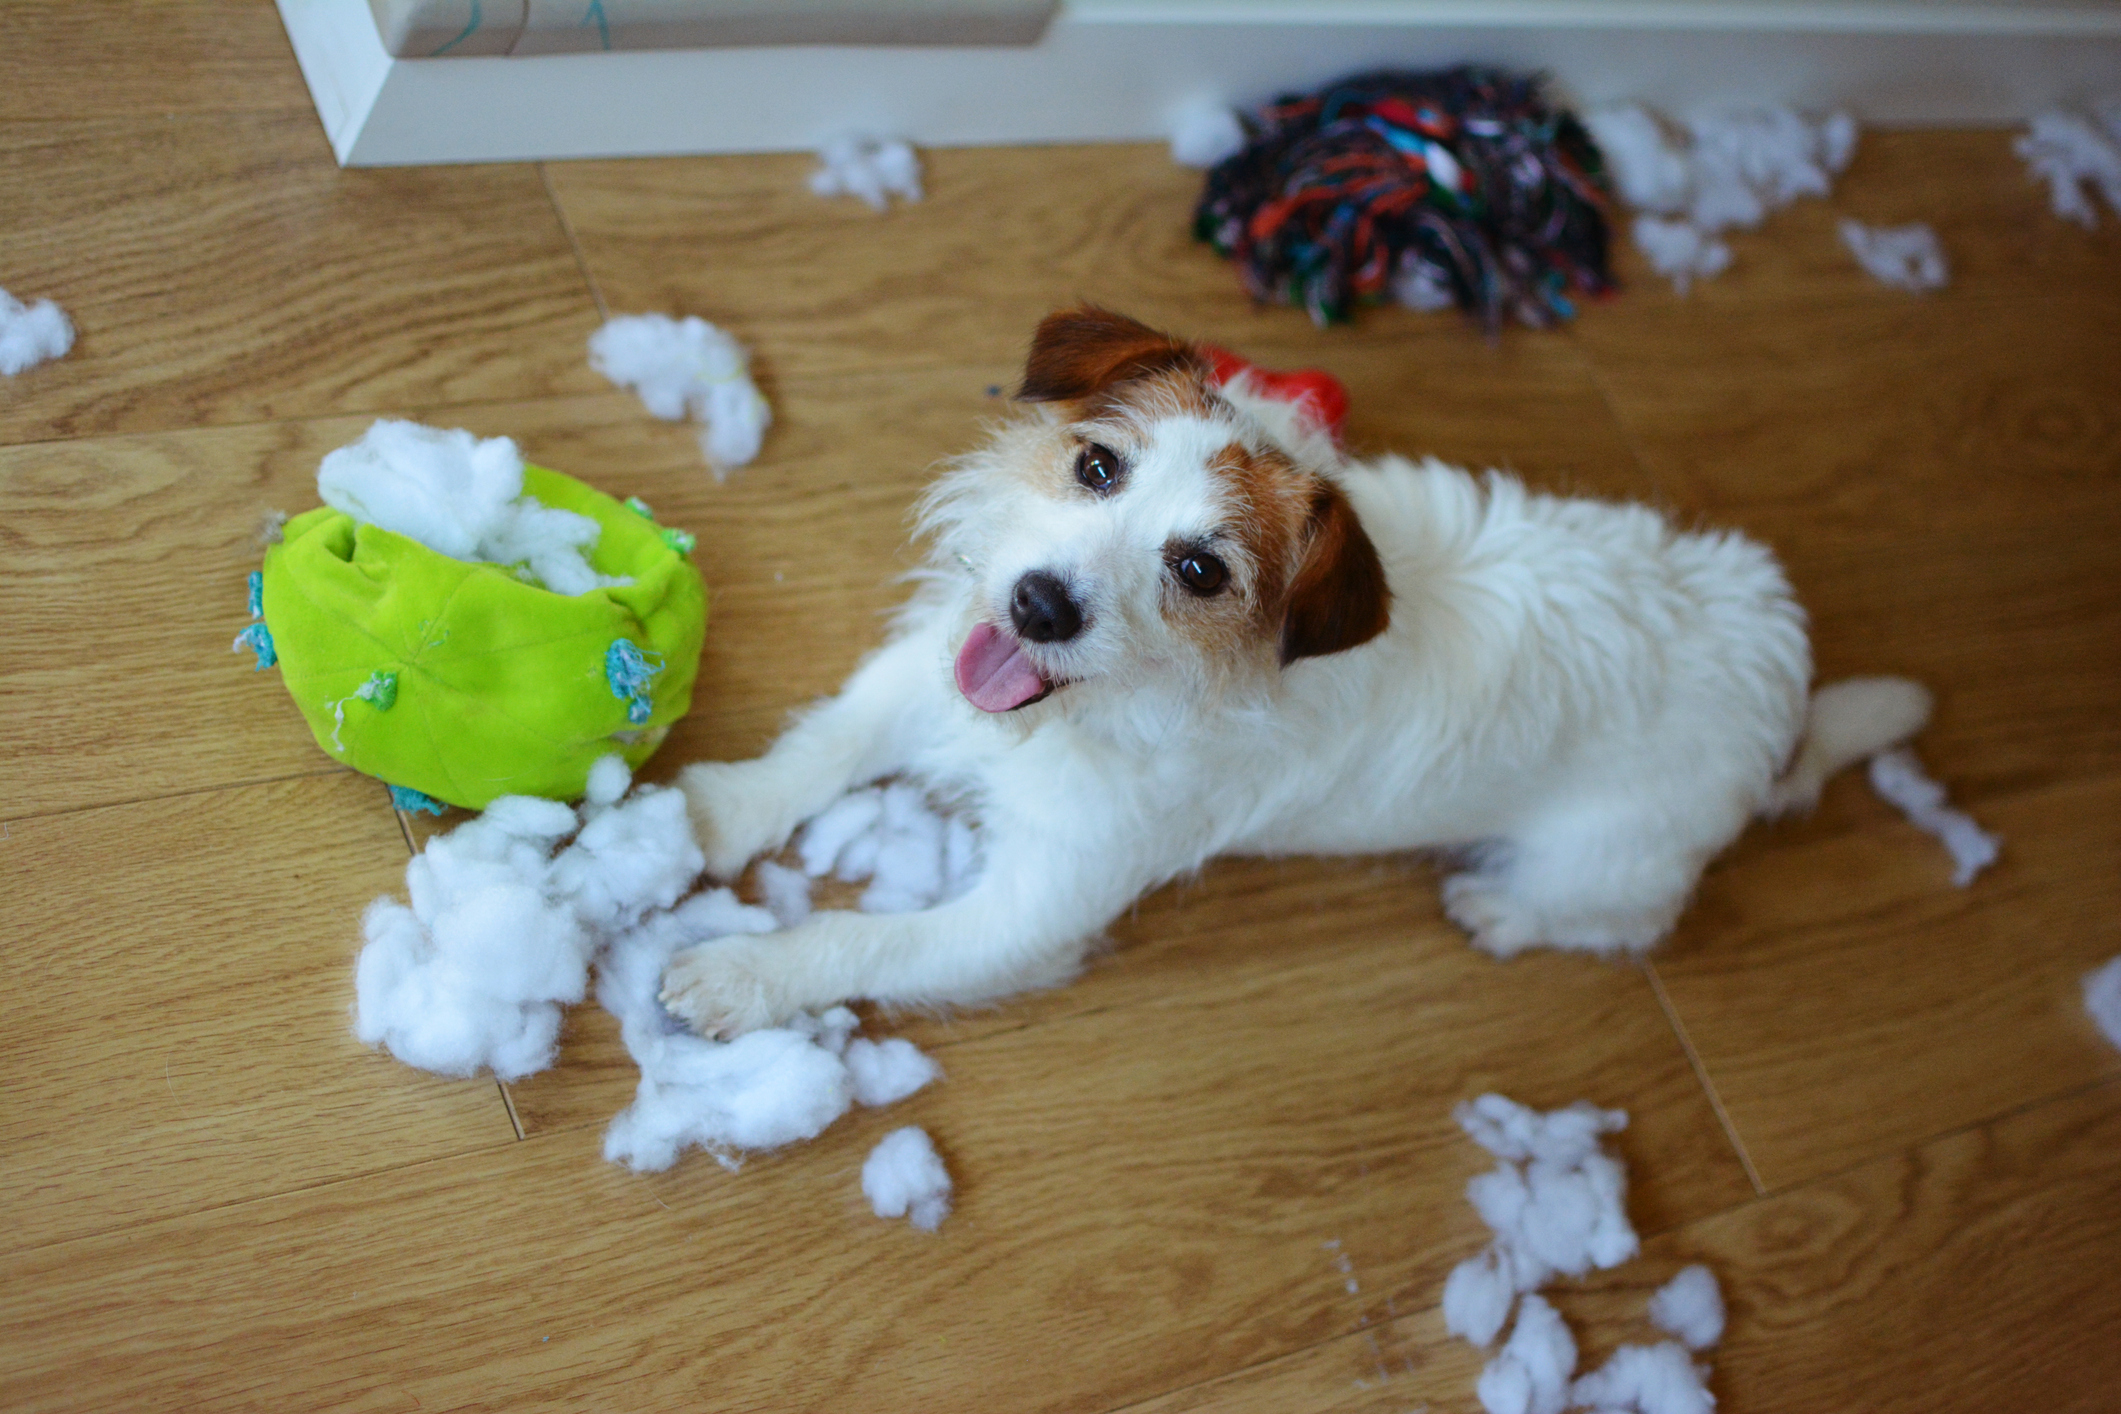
631, 675
258, 639
407, 799
257, 594
596, 12
469, 30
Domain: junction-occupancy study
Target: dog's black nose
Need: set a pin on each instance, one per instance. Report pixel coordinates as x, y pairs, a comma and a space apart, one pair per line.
1042, 611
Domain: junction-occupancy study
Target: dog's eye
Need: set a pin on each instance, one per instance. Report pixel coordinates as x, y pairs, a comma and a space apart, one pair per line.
1099, 468
1201, 572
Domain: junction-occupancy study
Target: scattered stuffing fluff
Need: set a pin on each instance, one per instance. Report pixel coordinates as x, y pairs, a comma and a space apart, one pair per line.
2102, 998
1557, 1203
31, 334
1557, 1206
1204, 133
1409, 185
1646, 1379
2071, 153
461, 496
1729, 170
1906, 257
1690, 1306
874, 169
1898, 776
503, 924
687, 366
912, 857
904, 1177
1530, 1374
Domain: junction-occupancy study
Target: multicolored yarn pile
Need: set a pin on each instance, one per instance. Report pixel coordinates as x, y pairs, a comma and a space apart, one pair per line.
1457, 187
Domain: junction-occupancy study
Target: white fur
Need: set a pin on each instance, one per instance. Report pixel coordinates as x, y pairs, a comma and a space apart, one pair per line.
1586, 702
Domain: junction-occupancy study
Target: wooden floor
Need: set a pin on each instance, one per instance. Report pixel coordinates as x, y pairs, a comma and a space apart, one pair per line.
1871, 1101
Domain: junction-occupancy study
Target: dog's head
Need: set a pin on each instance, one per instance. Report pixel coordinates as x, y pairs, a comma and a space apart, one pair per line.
1144, 528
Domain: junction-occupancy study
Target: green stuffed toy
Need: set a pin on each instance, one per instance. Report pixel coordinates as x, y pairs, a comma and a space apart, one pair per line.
459, 681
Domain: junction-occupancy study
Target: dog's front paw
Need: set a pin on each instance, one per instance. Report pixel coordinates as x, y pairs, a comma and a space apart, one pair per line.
736, 813
725, 988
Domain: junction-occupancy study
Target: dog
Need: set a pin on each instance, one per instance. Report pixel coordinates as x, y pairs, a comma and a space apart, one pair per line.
1166, 618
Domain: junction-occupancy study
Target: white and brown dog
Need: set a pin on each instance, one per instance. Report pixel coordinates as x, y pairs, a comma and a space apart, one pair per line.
1183, 624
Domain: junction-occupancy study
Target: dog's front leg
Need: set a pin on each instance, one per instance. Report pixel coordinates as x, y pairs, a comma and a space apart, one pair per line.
742, 809
1025, 923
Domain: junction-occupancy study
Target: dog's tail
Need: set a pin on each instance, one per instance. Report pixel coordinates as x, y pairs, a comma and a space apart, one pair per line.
1847, 721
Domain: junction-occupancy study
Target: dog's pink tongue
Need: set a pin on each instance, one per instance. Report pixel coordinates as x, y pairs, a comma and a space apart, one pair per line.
993, 672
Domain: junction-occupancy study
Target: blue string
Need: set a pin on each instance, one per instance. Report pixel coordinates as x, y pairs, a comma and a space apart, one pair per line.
407, 799
631, 675
469, 31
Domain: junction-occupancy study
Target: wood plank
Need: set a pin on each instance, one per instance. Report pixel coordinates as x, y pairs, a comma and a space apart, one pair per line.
1152, 1190
1254, 930
145, 58
178, 1039
1004, 236
1847, 1000
1968, 1274
1940, 488
221, 269
2001, 239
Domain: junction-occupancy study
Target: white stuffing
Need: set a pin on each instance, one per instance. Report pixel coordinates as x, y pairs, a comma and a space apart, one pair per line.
1530, 1374
501, 930
687, 366
1204, 132
787, 892
30, 334
885, 1072
1729, 170
1680, 251
461, 496
913, 858
1690, 1306
1646, 1379
1905, 257
2071, 153
1557, 1206
2102, 998
904, 1177
874, 169
1898, 776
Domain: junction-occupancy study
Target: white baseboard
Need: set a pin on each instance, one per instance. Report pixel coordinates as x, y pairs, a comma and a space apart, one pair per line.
1116, 70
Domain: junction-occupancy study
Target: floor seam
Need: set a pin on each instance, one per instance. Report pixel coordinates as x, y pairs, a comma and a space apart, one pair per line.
1701, 1076
574, 243
177, 794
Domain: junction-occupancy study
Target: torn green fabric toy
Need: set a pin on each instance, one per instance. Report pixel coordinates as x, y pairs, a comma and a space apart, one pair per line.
458, 679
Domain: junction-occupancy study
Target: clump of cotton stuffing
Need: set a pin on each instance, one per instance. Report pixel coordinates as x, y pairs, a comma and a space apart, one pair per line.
461, 496
2076, 155
874, 169
1898, 777
889, 835
688, 367
1905, 257
507, 913
1530, 1374
2102, 998
31, 334
904, 1177
1204, 132
1646, 1379
1729, 170
1690, 1306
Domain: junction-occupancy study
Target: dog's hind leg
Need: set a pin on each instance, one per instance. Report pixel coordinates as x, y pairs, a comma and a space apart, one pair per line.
741, 809
1590, 881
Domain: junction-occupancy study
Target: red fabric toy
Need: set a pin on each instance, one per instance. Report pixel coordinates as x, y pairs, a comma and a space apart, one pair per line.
1317, 395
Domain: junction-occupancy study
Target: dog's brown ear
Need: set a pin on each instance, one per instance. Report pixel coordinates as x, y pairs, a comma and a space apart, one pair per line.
1339, 598
1082, 351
